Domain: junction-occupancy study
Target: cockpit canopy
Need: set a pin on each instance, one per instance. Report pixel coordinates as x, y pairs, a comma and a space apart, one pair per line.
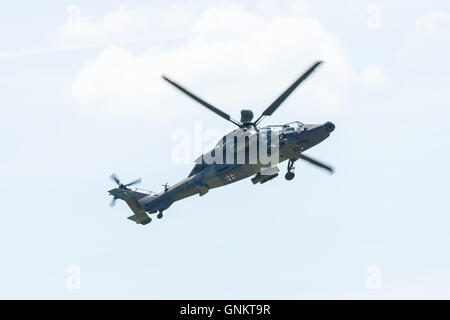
286, 128
292, 126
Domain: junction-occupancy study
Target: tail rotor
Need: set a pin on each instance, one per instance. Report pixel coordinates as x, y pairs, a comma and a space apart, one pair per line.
122, 186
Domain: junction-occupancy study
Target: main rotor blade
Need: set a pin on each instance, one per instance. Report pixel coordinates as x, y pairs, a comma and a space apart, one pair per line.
274, 106
217, 111
114, 177
134, 182
316, 163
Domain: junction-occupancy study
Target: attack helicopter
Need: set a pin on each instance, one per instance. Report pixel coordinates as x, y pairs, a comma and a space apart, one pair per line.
231, 161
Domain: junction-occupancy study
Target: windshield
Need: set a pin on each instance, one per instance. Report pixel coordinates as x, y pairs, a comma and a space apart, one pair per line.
292, 126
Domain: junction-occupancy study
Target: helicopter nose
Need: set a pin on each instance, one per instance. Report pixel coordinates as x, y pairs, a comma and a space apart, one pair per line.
329, 126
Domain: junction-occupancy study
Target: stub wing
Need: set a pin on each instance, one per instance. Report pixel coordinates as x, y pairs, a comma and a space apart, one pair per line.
265, 175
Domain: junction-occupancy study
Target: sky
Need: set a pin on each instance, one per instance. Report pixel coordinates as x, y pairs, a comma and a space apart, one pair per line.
81, 97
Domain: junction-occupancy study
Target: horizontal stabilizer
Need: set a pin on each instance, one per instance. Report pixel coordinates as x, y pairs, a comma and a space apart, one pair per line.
143, 222
140, 216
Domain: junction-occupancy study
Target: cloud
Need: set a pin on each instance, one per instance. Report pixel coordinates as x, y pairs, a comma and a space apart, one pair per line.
373, 76
430, 20
119, 21
122, 26
239, 57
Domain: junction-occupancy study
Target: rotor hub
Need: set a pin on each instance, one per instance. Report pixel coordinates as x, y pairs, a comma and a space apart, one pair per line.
246, 116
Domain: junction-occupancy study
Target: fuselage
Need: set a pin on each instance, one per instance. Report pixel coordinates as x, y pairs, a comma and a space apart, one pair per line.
292, 140
244, 152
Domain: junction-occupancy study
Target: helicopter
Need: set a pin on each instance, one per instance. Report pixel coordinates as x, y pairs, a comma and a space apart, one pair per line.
232, 160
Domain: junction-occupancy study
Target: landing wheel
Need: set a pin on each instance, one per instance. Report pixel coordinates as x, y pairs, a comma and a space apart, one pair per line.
289, 176
160, 215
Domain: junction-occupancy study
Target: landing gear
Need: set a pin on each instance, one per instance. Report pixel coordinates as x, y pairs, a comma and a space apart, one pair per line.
160, 215
290, 175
